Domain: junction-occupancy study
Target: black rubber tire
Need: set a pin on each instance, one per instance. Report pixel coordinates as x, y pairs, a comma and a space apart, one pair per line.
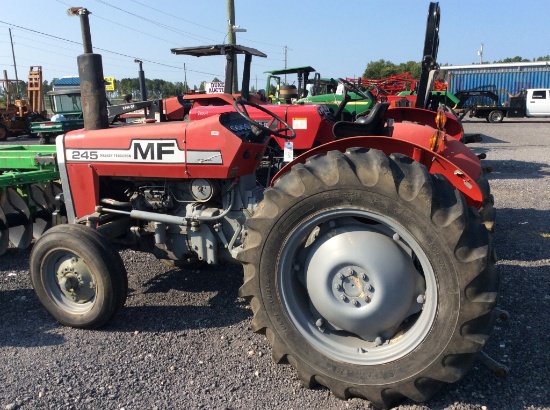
101, 261
426, 207
4, 133
495, 116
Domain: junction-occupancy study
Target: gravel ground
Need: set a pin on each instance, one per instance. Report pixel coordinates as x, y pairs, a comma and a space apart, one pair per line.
184, 339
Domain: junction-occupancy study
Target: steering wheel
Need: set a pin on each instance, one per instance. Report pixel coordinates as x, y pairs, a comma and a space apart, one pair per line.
240, 107
354, 88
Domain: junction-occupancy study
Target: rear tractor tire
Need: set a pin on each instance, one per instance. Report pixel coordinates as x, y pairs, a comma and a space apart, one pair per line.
78, 277
370, 276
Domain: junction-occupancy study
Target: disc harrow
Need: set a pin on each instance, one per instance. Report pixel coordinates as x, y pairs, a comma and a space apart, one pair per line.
28, 188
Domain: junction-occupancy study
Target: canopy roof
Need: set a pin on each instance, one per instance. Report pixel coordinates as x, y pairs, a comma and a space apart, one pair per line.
218, 49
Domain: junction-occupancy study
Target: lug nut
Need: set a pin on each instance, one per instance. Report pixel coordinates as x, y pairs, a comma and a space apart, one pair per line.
341, 276
370, 288
337, 286
344, 298
367, 299
364, 276
355, 302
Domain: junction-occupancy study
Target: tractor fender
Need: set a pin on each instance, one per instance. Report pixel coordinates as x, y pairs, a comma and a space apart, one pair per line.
453, 127
461, 172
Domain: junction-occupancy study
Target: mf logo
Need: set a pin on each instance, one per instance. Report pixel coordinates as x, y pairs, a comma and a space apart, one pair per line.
153, 150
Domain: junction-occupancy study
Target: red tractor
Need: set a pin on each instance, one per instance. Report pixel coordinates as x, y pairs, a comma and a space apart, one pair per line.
368, 260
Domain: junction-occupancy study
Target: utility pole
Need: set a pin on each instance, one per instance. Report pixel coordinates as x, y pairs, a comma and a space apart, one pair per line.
286, 49
185, 86
231, 39
480, 54
17, 93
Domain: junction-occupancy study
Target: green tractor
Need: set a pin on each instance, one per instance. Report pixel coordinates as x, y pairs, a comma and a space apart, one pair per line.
67, 109
317, 90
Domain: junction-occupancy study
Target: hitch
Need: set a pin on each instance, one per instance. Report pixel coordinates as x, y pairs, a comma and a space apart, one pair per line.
496, 367
499, 369
471, 138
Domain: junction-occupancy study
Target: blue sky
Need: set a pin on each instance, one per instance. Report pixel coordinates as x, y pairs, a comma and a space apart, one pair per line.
337, 38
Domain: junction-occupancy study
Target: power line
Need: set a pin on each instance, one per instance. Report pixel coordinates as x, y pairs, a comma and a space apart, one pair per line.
17, 36
179, 18
196, 24
102, 49
138, 31
156, 23
167, 27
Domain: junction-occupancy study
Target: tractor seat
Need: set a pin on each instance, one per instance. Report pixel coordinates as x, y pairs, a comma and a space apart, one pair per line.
372, 124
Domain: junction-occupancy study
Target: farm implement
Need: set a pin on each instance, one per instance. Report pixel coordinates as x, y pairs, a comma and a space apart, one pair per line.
368, 258
17, 113
27, 193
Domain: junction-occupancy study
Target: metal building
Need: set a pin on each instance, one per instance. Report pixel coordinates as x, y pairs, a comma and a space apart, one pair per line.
502, 78
66, 83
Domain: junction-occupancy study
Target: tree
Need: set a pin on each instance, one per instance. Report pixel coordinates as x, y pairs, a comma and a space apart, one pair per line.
46, 86
382, 68
516, 59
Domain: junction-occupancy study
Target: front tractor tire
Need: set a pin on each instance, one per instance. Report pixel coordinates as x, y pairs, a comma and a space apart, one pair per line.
78, 277
370, 276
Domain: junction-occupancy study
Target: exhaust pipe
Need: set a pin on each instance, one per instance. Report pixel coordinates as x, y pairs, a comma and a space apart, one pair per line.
90, 71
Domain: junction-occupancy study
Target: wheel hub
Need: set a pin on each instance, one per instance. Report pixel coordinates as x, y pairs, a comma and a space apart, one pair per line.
362, 281
351, 284
75, 280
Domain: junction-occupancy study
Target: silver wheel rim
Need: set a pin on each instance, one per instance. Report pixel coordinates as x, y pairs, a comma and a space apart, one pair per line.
68, 281
337, 293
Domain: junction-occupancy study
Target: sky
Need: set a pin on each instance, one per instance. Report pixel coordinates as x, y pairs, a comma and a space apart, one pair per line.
337, 38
